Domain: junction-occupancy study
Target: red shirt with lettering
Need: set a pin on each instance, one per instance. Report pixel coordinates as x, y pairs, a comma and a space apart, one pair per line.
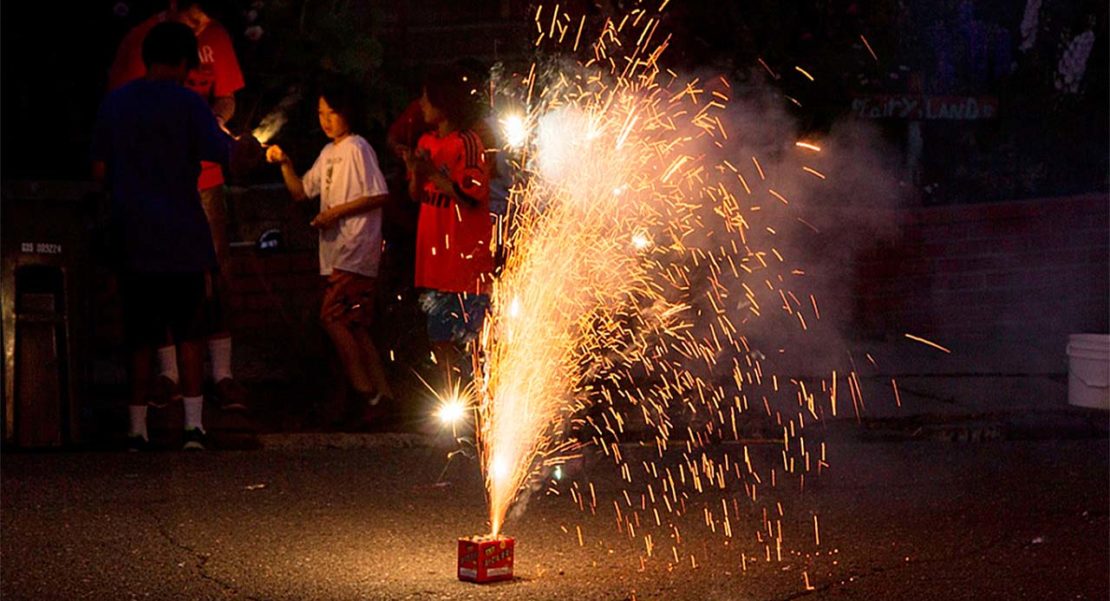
217, 74
453, 237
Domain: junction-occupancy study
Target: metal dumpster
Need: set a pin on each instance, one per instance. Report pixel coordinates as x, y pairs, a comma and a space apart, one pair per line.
45, 235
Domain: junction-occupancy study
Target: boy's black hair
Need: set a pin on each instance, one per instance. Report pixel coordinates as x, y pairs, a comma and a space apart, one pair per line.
345, 99
170, 43
212, 8
456, 92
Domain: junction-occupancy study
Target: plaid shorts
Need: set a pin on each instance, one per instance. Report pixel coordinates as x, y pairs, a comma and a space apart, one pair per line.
454, 317
348, 299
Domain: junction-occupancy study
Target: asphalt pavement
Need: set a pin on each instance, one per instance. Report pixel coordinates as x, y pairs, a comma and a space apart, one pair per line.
918, 519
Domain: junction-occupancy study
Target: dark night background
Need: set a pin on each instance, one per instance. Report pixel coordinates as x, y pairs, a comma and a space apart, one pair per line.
1043, 142
996, 242
990, 235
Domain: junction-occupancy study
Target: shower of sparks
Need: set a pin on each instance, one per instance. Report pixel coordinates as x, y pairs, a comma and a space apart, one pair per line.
637, 259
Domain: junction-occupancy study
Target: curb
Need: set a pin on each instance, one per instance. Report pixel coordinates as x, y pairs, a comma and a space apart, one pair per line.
342, 440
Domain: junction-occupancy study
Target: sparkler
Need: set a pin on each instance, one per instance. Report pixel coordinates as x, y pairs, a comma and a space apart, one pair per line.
272, 123
452, 411
638, 254
269, 127
516, 132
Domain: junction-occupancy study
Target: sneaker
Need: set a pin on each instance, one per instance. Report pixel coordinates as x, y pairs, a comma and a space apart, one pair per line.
137, 444
162, 392
195, 440
231, 395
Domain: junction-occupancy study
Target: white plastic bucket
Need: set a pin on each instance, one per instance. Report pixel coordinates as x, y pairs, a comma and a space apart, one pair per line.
1089, 370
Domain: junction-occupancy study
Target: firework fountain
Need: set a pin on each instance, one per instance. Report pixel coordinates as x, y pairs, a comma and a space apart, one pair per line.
639, 252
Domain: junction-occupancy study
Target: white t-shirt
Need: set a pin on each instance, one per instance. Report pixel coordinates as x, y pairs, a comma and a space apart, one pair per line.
343, 172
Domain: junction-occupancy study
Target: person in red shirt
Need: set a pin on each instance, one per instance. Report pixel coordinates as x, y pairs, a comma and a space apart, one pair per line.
449, 177
216, 78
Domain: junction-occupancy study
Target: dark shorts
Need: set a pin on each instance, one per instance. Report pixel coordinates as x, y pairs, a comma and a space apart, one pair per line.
454, 317
157, 304
348, 299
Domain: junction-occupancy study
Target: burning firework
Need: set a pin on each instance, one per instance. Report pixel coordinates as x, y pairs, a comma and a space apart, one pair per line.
639, 255
272, 123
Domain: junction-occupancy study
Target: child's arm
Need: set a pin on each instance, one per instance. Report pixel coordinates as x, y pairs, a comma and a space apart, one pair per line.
418, 169
347, 209
452, 189
293, 182
469, 181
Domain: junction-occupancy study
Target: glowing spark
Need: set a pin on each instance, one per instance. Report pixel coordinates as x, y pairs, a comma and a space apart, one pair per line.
515, 131
927, 342
803, 72
808, 146
868, 46
452, 411
769, 71
814, 172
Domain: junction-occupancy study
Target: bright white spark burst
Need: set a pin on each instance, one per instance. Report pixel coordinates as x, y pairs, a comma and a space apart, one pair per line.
514, 130
452, 411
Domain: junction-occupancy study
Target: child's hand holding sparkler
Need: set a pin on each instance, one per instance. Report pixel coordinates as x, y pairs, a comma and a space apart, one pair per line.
274, 154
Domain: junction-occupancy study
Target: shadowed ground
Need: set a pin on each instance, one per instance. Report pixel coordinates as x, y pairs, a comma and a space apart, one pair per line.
898, 520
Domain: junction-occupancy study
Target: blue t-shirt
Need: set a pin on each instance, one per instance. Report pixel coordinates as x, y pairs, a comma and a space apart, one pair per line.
152, 135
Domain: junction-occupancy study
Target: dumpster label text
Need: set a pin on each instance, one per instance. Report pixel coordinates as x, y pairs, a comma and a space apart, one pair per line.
41, 248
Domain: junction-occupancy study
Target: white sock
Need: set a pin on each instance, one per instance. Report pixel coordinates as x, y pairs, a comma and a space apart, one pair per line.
219, 354
194, 410
167, 362
138, 421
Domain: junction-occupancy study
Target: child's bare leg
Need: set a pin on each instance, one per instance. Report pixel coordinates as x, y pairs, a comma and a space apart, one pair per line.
350, 355
191, 365
373, 361
140, 375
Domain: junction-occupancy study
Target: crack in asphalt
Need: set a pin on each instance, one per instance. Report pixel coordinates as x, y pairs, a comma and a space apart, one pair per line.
853, 577
201, 560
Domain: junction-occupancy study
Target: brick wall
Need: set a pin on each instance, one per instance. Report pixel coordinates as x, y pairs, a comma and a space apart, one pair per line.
1009, 280
1004, 283
1023, 273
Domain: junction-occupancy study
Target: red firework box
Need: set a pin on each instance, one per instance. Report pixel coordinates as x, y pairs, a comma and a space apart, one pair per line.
486, 558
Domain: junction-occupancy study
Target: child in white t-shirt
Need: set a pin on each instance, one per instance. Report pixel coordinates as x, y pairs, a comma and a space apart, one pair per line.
352, 192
